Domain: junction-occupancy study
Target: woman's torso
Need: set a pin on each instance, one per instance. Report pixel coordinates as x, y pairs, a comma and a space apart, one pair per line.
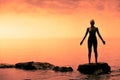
92, 32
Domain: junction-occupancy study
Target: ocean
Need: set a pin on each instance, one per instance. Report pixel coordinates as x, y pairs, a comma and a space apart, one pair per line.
17, 74
72, 56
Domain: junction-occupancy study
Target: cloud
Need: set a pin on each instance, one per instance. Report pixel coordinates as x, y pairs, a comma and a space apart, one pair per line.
3, 1
54, 3
67, 6
55, 6
58, 6
118, 5
37, 6
100, 5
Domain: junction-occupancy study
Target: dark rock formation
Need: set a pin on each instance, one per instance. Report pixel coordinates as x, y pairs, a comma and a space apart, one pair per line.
6, 66
63, 69
93, 68
34, 66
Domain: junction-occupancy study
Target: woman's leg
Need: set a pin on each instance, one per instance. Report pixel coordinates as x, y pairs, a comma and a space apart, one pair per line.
89, 50
95, 50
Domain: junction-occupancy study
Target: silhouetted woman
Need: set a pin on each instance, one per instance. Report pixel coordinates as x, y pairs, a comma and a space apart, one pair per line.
92, 40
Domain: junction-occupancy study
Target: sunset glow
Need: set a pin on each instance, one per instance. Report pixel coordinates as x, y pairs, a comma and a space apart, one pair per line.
27, 27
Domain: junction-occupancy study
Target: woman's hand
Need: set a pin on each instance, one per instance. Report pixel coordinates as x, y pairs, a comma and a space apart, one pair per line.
81, 42
103, 42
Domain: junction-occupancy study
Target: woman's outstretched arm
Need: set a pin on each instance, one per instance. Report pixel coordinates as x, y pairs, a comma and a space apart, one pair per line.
100, 36
84, 36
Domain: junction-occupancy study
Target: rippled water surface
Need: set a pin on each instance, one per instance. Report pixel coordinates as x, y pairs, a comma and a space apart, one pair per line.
16, 74
74, 56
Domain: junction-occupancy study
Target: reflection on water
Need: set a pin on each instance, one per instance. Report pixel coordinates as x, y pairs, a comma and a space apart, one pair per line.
17, 74
77, 55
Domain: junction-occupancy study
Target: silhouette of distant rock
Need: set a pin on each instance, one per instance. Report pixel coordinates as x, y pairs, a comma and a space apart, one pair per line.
6, 66
34, 66
63, 69
93, 68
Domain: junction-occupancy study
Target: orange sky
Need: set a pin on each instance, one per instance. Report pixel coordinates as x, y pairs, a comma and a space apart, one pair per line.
57, 18
39, 19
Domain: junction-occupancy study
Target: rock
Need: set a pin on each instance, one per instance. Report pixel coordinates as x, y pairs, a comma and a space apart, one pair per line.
93, 68
63, 69
25, 65
34, 66
6, 66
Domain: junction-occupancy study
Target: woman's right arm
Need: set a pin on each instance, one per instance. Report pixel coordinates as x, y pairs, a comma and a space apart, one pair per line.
84, 36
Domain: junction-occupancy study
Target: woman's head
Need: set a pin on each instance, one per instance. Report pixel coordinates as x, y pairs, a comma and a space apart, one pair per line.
92, 22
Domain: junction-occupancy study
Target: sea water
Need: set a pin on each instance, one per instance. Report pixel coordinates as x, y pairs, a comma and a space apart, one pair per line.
71, 57
17, 74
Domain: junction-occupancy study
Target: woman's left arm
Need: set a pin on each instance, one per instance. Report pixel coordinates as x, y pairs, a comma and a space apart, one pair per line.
100, 35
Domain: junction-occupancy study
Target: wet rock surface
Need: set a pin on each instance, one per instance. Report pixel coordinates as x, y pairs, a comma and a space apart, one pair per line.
34, 66
63, 69
6, 66
93, 68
